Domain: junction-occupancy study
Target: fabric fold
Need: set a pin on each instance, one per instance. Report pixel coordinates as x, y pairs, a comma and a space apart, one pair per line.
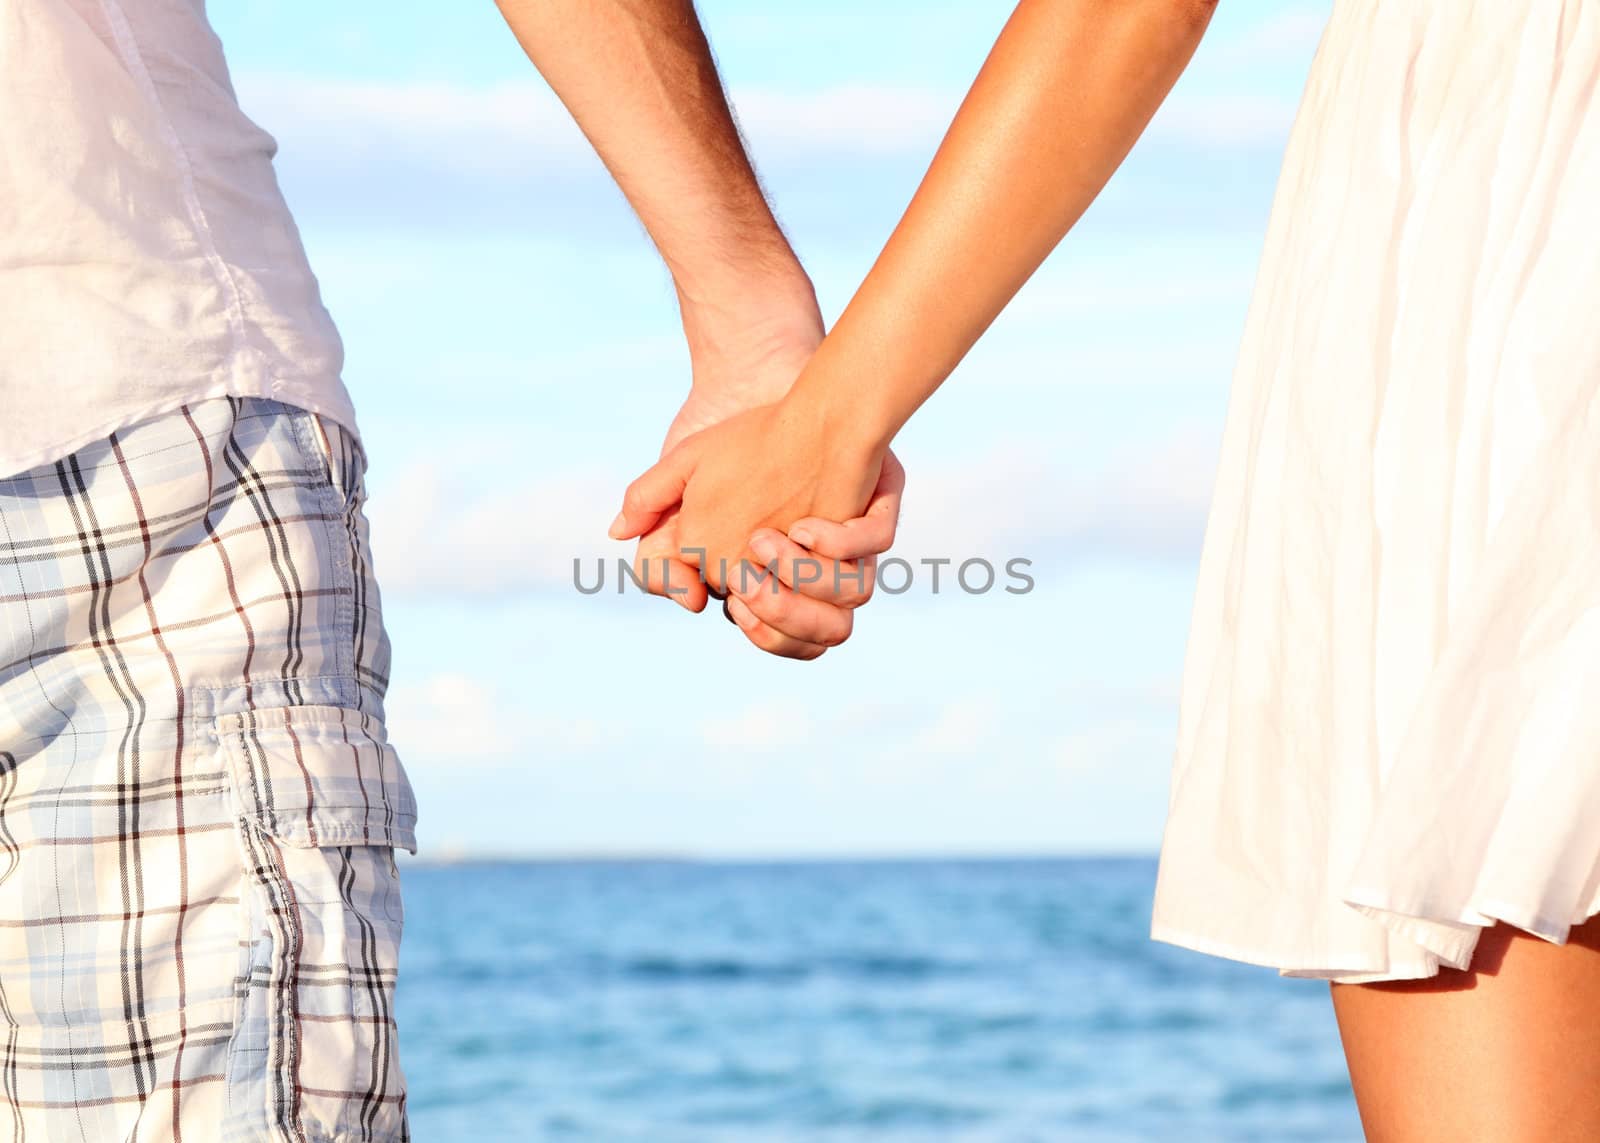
1389, 730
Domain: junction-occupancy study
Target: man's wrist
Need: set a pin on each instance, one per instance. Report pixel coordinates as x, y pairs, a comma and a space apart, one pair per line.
747, 313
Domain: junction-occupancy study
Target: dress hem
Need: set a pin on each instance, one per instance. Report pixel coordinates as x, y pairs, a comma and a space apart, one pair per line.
1397, 921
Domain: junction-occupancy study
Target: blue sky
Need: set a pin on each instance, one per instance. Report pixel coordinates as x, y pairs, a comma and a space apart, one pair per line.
513, 352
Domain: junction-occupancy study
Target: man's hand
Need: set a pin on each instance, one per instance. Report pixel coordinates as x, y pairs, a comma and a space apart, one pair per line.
741, 369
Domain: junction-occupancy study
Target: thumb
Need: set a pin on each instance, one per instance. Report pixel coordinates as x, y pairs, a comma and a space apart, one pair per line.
655, 491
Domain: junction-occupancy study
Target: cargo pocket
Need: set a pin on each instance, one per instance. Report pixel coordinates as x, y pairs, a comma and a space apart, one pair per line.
322, 801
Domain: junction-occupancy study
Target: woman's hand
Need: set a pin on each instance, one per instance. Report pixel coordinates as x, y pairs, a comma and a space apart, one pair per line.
742, 361
768, 467
825, 570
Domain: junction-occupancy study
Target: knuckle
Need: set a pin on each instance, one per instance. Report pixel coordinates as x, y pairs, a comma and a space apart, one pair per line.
775, 607
795, 649
862, 595
838, 632
770, 641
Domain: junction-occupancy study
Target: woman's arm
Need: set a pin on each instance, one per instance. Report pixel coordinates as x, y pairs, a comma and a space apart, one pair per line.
1061, 100
1067, 89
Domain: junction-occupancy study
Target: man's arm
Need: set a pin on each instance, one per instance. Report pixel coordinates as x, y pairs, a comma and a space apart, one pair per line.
638, 77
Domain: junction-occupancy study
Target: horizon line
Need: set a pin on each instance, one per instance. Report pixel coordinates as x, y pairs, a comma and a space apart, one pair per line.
463, 856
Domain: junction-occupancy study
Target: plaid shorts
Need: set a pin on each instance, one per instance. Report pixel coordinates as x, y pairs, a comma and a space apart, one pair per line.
199, 907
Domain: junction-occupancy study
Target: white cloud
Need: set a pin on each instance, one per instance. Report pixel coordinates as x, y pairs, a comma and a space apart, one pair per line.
1290, 32
1111, 746
860, 117
1154, 501
898, 737
964, 726
440, 157
1211, 106
769, 726
447, 716
510, 123
508, 126
1141, 698
481, 126
1150, 502
1073, 288
456, 530
445, 720
445, 527
1224, 120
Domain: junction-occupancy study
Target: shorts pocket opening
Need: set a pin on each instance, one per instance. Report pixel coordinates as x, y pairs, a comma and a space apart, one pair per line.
319, 775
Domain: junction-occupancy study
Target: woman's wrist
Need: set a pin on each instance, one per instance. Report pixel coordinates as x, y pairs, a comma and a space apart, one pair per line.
840, 410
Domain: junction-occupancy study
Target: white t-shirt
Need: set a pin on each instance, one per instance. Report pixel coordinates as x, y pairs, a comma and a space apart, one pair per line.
147, 258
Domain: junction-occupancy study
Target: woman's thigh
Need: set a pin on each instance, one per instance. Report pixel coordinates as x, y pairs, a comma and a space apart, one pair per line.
1508, 1051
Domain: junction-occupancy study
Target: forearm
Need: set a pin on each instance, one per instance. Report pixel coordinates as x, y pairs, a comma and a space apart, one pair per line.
638, 77
1066, 91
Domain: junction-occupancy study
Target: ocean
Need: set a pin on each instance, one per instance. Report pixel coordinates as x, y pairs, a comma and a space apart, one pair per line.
997, 1000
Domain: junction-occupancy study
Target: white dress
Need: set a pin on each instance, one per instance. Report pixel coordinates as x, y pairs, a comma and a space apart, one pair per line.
1389, 732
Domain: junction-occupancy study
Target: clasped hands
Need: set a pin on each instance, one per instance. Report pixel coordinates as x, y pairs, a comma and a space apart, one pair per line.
758, 478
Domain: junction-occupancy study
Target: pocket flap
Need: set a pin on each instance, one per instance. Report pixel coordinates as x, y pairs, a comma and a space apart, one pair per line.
319, 775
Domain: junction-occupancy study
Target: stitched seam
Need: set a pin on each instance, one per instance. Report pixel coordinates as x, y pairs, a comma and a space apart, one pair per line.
303, 428
206, 710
